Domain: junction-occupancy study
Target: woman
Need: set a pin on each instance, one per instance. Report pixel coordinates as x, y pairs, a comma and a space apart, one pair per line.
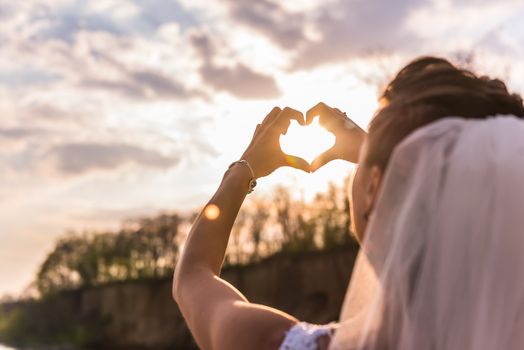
425, 91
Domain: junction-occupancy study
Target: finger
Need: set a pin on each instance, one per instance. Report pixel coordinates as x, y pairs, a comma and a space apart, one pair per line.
323, 159
284, 118
297, 163
318, 109
256, 130
289, 113
272, 115
331, 117
342, 115
285, 127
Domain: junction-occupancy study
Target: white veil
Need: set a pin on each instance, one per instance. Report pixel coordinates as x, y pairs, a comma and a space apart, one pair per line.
442, 266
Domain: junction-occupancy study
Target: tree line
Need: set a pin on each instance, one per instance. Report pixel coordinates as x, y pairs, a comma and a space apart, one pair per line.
149, 247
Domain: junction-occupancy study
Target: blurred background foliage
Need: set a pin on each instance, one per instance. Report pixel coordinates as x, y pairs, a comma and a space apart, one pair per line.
149, 247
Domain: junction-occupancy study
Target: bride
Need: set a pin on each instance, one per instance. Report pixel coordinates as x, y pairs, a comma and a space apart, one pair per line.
437, 205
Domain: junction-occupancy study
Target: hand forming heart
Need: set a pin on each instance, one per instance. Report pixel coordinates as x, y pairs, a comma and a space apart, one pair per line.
265, 154
348, 135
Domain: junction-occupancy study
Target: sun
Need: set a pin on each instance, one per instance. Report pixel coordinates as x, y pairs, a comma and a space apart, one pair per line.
308, 141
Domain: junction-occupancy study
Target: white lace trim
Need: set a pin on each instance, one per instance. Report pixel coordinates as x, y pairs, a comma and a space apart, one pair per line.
303, 336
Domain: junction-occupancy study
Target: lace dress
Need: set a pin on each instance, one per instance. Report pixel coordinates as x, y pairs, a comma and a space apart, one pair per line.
304, 336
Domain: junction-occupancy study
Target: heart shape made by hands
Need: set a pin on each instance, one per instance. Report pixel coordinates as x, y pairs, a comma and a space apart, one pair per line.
306, 142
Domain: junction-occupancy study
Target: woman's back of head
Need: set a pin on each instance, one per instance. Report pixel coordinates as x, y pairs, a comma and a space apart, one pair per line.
429, 89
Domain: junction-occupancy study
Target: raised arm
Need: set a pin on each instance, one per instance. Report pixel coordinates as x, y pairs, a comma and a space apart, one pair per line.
217, 314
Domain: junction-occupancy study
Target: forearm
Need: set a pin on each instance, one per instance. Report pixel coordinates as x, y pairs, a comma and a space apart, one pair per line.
207, 241
218, 315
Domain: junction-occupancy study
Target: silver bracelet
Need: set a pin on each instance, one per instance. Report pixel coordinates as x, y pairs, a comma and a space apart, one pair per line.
253, 180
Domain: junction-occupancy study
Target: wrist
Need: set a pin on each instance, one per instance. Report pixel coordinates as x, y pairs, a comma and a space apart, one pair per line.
252, 163
241, 174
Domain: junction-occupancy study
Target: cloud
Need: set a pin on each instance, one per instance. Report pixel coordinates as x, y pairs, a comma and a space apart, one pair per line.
109, 70
24, 77
271, 19
78, 158
334, 31
142, 84
91, 48
19, 132
356, 28
38, 111
328, 31
155, 13
238, 79
126, 51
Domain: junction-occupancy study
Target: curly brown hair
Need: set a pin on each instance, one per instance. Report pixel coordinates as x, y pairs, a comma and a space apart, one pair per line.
429, 89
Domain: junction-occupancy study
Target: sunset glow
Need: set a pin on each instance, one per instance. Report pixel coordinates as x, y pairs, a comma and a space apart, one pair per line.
308, 141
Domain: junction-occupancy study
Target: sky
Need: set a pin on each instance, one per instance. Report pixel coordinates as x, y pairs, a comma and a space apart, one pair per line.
114, 109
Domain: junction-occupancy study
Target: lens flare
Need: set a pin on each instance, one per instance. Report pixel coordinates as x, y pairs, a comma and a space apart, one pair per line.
212, 212
306, 142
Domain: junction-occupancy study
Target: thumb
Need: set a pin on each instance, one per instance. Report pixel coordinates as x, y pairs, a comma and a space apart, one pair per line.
322, 159
297, 163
